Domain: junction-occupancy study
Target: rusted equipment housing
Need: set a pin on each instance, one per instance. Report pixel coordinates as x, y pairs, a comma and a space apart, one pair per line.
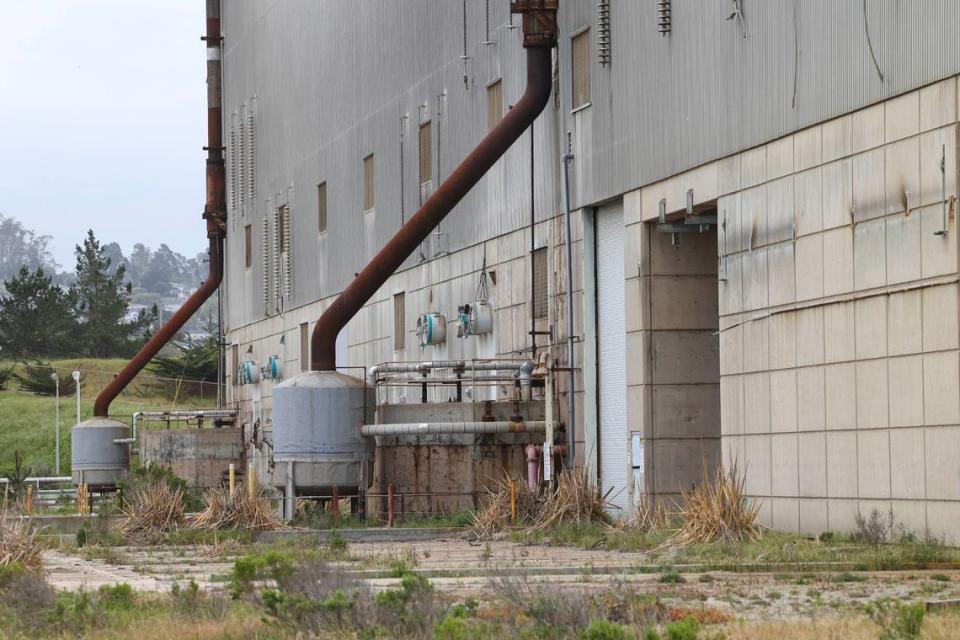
539, 38
215, 213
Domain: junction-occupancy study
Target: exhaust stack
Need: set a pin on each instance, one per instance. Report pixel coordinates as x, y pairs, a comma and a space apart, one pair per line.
98, 458
539, 38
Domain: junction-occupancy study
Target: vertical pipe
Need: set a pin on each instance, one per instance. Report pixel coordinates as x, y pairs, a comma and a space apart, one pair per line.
57, 465
336, 506
288, 497
232, 474
390, 504
533, 249
571, 422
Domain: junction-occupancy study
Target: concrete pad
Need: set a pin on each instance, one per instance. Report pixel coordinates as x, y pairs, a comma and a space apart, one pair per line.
902, 116
837, 193
870, 254
786, 514
756, 345
684, 357
907, 464
696, 255
783, 400
838, 261
942, 456
784, 464
911, 515
841, 384
756, 398
868, 185
753, 167
873, 463
842, 464
941, 388
731, 350
903, 248
837, 138
638, 361
731, 404
780, 157
680, 464
756, 465
753, 217
871, 327
686, 411
906, 401
730, 287
810, 340
902, 175
932, 147
811, 399
781, 218
639, 416
938, 104
938, 253
872, 392
867, 128
812, 454
904, 323
838, 332
683, 302
813, 517
940, 311
841, 514
942, 519
809, 267
782, 284
807, 148
783, 340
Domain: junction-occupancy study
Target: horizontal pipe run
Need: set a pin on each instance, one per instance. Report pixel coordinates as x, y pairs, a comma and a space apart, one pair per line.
452, 428
162, 416
522, 366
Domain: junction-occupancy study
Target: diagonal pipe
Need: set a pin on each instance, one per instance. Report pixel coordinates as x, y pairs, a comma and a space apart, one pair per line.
215, 213
540, 33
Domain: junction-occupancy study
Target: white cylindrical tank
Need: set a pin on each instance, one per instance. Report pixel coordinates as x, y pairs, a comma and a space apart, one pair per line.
94, 456
317, 418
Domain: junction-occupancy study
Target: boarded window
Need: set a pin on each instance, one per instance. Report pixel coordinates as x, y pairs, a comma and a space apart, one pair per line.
322, 207
248, 246
305, 346
399, 324
540, 283
580, 45
426, 153
494, 104
369, 201
235, 363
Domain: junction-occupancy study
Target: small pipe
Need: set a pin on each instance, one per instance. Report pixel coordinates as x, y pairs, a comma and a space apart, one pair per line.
571, 423
533, 466
390, 505
289, 507
540, 37
461, 365
336, 506
452, 428
232, 477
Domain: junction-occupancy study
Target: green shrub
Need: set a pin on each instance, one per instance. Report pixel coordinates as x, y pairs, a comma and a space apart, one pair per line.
118, 596
687, 629
897, 621
272, 564
604, 630
144, 476
671, 576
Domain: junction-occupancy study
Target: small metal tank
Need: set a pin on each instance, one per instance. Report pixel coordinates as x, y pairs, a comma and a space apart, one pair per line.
316, 431
94, 456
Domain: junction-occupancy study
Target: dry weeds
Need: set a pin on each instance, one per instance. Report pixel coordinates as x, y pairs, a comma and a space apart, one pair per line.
717, 510
239, 510
151, 511
19, 543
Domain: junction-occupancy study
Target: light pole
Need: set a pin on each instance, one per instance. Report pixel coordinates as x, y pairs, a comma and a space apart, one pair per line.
76, 379
56, 382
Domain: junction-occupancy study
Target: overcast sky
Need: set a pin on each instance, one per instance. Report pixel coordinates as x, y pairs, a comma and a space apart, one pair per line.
103, 120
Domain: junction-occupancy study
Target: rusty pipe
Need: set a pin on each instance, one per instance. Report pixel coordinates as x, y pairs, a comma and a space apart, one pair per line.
539, 40
214, 212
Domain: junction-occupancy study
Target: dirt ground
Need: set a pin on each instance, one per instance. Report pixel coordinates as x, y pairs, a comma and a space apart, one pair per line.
481, 570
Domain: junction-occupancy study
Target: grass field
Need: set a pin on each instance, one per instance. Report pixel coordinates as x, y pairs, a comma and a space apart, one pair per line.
28, 422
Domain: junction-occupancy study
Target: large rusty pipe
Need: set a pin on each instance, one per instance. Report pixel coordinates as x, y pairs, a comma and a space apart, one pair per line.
435, 209
214, 212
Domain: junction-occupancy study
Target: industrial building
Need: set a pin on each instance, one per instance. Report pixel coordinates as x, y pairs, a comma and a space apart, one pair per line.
762, 241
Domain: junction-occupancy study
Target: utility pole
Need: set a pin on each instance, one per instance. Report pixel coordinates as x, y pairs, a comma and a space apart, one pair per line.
76, 379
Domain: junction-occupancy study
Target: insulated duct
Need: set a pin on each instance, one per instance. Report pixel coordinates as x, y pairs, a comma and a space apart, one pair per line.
214, 212
539, 38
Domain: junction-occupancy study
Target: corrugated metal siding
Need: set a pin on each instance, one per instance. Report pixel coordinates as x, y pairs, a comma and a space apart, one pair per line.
334, 79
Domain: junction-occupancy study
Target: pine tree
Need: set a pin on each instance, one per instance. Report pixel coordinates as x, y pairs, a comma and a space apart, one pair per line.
37, 317
104, 303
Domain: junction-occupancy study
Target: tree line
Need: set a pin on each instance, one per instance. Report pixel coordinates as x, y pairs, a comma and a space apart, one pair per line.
42, 318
